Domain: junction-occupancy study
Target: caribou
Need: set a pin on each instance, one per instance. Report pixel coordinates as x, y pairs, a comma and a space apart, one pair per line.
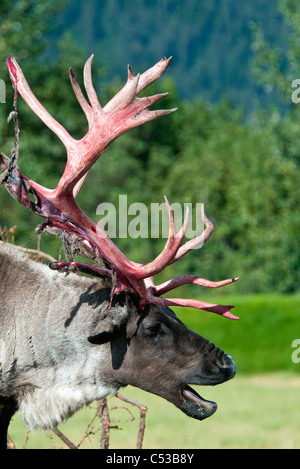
67, 339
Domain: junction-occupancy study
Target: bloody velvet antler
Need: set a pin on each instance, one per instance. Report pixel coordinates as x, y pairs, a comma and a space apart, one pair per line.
59, 208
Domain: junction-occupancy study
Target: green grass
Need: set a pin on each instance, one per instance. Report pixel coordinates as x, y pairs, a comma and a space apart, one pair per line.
253, 412
257, 409
261, 340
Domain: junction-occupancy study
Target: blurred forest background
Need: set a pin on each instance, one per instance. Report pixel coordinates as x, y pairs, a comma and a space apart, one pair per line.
233, 143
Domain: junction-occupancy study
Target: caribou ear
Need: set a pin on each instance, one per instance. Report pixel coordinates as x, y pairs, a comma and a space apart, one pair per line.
112, 323
101, 338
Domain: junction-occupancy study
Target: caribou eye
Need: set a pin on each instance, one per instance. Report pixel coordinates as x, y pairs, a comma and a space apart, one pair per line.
152, 329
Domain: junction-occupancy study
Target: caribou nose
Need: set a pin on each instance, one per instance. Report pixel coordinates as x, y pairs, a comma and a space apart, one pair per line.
228, 365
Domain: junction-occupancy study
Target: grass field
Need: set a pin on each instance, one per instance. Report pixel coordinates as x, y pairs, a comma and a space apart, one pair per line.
261, 340
261, 411
259, 408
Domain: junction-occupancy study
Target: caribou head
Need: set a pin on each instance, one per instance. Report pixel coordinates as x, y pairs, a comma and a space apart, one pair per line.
118, 326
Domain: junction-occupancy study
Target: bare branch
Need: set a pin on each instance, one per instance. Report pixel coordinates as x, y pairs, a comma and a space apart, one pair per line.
142, 424
66, 440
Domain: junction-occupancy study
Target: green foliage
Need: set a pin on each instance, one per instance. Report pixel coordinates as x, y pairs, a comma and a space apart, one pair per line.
276, 67
210, 41
246, 172
43, 158
261, 341
250, 190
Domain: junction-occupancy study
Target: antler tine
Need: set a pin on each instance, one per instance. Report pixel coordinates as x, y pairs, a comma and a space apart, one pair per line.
89, 114
88, 83
191, 279
88, 111
125, 95
171, 224
94, 106
222, 310
166, 257
153, 73
19, 81
136, 84
199, 240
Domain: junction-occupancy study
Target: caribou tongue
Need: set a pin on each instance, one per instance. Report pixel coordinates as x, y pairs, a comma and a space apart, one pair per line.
195, 406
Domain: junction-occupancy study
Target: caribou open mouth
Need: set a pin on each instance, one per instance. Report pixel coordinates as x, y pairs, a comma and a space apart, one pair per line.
195, 406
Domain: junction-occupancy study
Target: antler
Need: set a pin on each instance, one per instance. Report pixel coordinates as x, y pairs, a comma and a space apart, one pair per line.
59, 208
